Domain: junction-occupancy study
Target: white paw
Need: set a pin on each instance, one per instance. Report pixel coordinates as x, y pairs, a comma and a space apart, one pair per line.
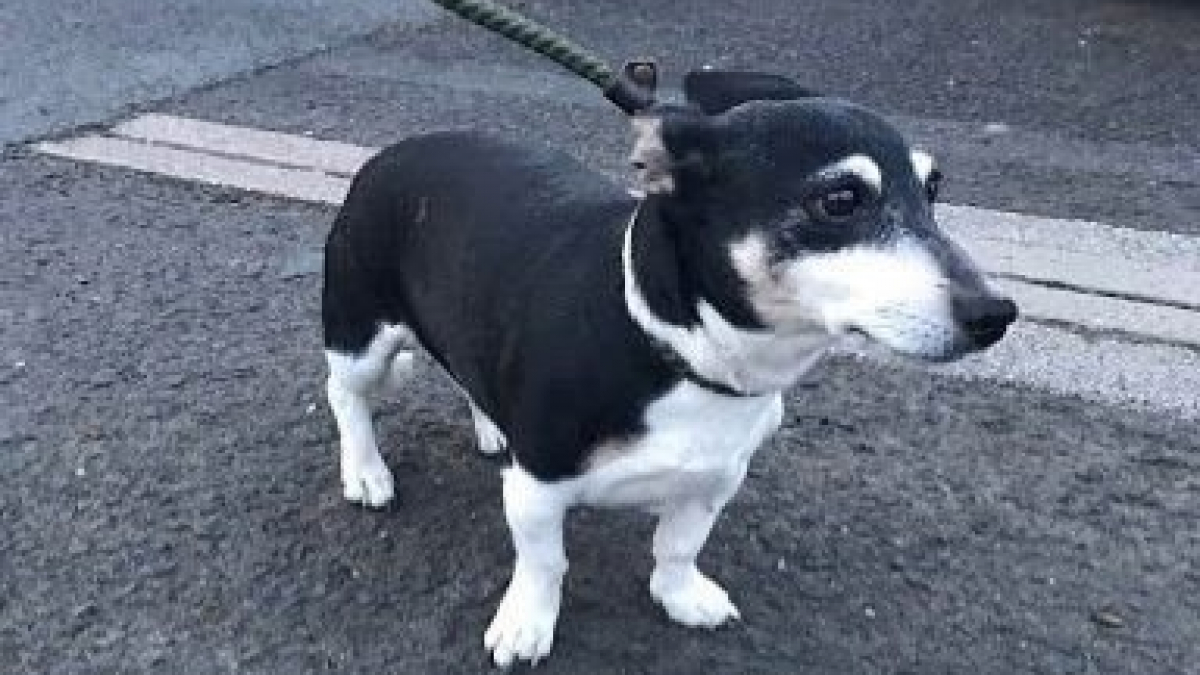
695, 600
523, 628
368, 483
491, 439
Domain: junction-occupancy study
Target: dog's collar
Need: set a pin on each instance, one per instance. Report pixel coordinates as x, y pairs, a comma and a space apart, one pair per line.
681, 367
656, 330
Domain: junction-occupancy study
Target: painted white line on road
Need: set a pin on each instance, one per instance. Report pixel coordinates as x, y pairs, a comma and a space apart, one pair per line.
1170, 324
1148, 376
1143, 266
1143, 376
268, 146
303, 184
1159, 265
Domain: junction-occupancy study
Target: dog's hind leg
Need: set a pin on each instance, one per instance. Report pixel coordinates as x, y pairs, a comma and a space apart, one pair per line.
491, 439
353, 380
489, 436
400, 370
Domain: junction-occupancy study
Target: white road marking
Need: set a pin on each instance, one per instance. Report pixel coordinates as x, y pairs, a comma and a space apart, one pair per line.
1136, 283
303, 184
1154, 377
258, 144
1169, 324
1159, 265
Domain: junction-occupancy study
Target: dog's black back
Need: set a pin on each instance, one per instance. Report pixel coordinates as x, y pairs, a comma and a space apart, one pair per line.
534, 232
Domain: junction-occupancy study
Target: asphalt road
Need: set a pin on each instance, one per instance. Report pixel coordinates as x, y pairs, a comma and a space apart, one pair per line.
168, 490
65, 63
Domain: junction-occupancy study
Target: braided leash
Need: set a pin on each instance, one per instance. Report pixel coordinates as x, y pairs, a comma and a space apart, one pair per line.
631, 89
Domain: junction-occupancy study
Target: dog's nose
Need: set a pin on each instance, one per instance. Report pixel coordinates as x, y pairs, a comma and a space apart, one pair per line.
984, 318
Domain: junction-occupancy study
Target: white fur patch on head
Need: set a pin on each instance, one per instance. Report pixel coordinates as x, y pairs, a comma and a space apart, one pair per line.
860, 165
650, 159
923, 164
751, 260
893, 293
748, 361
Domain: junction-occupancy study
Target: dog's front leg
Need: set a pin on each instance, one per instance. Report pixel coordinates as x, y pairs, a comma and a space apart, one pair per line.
523, 627
690, 597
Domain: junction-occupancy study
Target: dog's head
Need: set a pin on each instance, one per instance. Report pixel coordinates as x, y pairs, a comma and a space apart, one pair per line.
823, 212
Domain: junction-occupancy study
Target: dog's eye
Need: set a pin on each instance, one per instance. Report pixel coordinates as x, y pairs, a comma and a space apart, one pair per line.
933, 185
836, 205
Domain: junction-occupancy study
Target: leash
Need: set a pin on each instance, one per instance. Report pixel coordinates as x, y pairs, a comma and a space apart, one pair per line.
631, 89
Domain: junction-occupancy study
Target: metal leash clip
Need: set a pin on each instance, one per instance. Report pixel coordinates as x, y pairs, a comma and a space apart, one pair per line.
634, 89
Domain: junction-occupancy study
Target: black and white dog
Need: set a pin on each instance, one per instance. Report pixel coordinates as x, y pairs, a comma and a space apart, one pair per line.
633, 350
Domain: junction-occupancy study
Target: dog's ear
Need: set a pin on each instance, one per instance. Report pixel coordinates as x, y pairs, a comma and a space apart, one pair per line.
672, 148
649, 157
715, 91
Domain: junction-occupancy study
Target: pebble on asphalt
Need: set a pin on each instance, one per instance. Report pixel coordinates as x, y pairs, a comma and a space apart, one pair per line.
1107, 618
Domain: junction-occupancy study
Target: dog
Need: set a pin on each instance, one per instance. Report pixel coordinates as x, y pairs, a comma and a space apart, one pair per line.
630, 348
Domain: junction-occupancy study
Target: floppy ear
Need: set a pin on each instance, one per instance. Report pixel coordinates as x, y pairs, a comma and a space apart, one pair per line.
672, 148
715, 91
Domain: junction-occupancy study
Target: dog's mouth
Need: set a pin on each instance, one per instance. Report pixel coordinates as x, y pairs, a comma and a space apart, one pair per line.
925, 343
974, 325
857, 332
858, 340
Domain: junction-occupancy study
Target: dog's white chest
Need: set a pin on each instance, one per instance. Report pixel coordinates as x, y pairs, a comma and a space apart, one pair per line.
696, 446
